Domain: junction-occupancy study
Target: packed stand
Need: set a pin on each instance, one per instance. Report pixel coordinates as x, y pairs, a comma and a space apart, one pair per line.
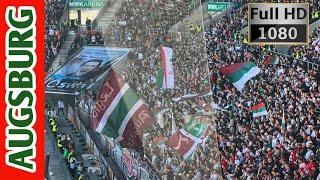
189, 79
135, 19
311, 52
55, 30
143, 66
283, 145
90, 37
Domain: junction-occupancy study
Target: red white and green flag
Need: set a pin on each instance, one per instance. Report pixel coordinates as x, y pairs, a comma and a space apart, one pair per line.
120, 113
183, 143
165, 77
259, 110
239, 73
196, 129
270, 59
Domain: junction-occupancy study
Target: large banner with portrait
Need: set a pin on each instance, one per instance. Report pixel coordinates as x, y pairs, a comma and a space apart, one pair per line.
84, 68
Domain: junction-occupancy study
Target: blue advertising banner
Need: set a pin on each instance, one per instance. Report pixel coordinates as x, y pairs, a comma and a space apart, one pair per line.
83, 69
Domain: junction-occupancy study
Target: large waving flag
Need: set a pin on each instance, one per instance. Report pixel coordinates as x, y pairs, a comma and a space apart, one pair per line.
196, 129
269, 59
183, 143
165, 77
259, 110
120, 113
239, 73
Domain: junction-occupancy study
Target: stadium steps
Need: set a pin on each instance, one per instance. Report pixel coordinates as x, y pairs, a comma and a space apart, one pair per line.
198, 16
63, 53
55, 169
183, 26
107, 14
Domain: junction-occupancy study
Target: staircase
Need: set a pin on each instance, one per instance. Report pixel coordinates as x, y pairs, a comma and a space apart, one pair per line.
63, 53
105, 16
183, 26
103, 22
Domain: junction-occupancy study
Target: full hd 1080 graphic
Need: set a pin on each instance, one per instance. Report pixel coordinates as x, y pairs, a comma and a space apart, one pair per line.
278, 23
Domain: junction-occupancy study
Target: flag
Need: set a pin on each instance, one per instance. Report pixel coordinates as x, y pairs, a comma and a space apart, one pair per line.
283, 121
196, 129
160, 79
183, 143
159, 139
217, 107
173, 125
119, 112
239, 73
214, 78
165, 77
184, 97
259, 110
159, 116
269, 59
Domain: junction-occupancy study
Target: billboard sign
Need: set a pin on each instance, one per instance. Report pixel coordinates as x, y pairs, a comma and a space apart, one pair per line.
218, 6
83, 69
86, 4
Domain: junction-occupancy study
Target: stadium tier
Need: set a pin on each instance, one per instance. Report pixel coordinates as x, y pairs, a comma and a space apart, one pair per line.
165, 90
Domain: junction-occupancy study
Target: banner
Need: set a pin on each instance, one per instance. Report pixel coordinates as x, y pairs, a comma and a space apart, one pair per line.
86, 4
184, 97
144, 174
165, 78
159, 116
22, 93
89, 64
183, 143
71, 114
195, 128
120, 113
131, 165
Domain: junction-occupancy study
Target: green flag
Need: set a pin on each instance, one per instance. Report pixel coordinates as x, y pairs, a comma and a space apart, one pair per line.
196, 129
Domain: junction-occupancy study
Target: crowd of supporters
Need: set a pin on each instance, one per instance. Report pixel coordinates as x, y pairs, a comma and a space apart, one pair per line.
90, 37
143, 25
283, 145
311, 52
131, 25
55, 30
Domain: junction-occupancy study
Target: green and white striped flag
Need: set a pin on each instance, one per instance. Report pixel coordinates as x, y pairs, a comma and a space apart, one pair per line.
196, 129
239, 73
120, 113
259, 110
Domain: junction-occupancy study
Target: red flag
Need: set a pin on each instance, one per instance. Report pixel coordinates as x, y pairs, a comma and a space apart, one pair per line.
120, 113
183, 143
131, 139
267, 60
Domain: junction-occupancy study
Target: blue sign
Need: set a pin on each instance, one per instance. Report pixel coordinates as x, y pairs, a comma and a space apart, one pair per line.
89, 64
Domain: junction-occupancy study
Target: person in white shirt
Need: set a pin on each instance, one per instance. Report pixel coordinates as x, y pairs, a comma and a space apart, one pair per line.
60, 107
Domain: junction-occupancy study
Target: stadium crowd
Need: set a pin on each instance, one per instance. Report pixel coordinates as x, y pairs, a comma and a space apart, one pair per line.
143, 66
189, 79
55, 30
131, 25
311, 52
283, 145
89, 37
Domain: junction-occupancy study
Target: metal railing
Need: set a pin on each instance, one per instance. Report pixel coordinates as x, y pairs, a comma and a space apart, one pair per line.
84, 114
82, 129
307, 64
62, 165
